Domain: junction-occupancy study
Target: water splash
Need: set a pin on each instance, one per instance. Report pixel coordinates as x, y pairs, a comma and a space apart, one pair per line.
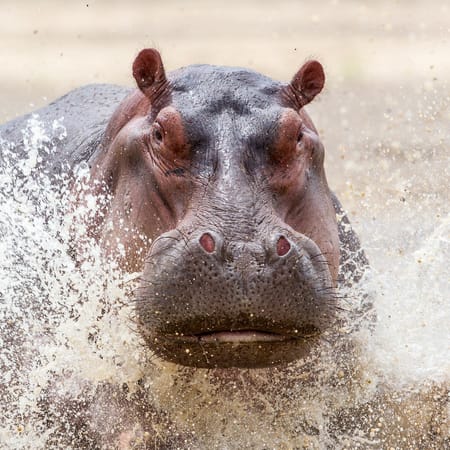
75, 374
52, 308
412, 339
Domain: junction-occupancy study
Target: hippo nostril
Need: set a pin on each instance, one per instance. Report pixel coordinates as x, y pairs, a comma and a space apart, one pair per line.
207, 242
283, 246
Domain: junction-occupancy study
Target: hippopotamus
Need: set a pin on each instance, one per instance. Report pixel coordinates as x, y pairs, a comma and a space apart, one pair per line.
218, 197
222, 171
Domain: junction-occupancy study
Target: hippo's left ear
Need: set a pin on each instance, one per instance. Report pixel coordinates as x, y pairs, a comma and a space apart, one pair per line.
307, 82
148, 71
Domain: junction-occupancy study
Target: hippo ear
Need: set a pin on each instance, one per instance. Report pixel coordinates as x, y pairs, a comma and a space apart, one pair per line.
307, 82
148, 71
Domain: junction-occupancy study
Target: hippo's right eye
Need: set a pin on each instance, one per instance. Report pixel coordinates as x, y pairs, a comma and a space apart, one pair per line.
157, 134
166, 137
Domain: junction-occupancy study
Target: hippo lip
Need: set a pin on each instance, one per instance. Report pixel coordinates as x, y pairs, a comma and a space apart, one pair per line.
242, 336
247, 336
242, 348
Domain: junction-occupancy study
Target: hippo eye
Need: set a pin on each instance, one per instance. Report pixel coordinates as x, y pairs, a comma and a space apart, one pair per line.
157, 133
300, 136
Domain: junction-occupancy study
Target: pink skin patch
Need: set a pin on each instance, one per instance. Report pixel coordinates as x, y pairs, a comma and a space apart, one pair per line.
283, 246
242, 336
207, 242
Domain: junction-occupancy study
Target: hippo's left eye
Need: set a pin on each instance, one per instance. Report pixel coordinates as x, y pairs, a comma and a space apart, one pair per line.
300, 136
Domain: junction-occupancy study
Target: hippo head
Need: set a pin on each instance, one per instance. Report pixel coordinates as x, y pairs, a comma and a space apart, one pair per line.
218, 196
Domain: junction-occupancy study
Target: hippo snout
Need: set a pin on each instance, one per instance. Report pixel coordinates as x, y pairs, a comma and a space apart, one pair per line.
209, 301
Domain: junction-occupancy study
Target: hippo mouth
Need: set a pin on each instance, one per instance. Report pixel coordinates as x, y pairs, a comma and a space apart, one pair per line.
245, 336
241, 336
243, 348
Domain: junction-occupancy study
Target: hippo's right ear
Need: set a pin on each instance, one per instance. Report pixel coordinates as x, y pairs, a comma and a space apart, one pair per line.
307, 83
148, 71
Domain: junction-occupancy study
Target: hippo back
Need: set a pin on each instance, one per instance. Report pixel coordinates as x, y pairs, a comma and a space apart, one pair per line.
83, 113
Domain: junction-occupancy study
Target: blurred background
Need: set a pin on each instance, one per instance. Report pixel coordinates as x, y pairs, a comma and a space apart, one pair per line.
50, 46
384, 115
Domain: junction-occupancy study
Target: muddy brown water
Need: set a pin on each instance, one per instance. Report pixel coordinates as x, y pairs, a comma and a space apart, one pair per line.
385, 120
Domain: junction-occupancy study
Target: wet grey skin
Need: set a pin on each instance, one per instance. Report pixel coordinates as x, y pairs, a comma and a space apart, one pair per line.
231, 284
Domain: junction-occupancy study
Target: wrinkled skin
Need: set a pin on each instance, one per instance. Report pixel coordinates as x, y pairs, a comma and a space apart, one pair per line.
221, 170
